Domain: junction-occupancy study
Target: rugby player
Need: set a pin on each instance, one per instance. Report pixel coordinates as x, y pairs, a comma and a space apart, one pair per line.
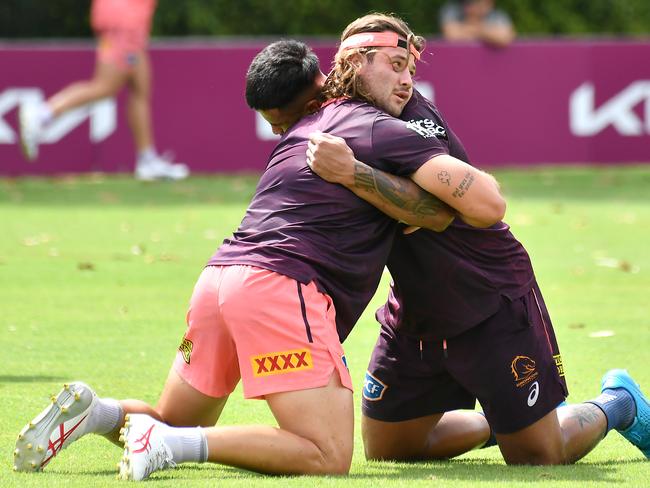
309, 255
465, 320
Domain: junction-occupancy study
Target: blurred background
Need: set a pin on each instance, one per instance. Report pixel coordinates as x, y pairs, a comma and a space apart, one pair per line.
572, 87
532, 18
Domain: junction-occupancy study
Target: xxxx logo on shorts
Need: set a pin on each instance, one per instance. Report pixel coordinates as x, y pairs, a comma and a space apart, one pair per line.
523, 369
281, 362
186, 349
558, 364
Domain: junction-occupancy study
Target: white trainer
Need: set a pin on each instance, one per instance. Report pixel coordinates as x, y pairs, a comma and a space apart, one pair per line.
55, 428
160, 168
30, 130
145, 450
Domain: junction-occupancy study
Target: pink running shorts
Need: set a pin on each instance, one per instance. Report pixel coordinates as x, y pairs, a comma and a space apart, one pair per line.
122, 27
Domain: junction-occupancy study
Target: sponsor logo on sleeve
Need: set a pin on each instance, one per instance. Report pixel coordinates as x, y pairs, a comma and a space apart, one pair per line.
281, 362
373, 389
186, 349
523, 369
427, 128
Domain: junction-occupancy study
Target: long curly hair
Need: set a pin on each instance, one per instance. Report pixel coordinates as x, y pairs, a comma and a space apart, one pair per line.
342, 81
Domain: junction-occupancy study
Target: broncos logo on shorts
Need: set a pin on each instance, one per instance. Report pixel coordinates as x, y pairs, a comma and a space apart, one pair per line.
523, 369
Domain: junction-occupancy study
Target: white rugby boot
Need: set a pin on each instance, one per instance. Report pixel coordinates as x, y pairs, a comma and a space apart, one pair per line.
145, 450
30, 128
55, 428
160, 168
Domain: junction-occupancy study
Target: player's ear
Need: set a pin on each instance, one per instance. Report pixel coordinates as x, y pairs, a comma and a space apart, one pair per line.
311, 106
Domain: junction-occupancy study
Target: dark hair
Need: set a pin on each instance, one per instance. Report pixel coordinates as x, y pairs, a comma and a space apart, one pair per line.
279, 73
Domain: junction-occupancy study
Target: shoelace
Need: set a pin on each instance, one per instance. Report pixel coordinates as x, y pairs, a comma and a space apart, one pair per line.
159, 459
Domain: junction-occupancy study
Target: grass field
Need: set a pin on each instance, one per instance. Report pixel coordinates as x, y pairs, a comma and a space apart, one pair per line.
96, 273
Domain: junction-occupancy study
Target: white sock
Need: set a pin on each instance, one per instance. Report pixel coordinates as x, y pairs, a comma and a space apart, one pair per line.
45, 114
105, 416
147, 154
188, 444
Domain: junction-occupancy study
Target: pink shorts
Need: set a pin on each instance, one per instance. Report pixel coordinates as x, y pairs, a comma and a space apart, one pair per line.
122, 49
271, 331
122, 27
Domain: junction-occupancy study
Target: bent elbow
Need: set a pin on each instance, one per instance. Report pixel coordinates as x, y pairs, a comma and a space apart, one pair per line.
499, 210
488, 214
494, 213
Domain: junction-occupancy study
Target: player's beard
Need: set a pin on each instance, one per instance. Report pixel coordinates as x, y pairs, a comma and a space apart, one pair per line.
365, 93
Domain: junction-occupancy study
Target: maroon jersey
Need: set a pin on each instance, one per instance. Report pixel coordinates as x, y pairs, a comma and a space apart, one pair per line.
445, 283
303, 227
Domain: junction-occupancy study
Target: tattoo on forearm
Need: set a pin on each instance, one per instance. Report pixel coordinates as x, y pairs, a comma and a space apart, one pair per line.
397, 191
585, 414
363, 177
444, 177
461, 189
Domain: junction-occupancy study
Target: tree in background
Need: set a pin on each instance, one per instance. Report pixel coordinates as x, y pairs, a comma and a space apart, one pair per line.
69, 18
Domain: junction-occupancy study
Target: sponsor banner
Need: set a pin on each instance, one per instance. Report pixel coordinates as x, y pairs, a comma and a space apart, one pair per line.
555, 101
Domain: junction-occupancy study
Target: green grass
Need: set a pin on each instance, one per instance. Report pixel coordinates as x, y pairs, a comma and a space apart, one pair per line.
96, 273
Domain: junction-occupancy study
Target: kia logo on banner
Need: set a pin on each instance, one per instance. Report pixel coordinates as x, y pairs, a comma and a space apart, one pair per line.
619, 111
102, 116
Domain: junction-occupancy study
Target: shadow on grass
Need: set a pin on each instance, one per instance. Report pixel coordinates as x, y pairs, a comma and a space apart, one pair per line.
455, 470
489, 470
29, 378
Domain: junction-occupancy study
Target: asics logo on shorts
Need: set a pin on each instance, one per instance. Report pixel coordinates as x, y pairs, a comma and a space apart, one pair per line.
523, 369
281, 362
533, 395
373, 389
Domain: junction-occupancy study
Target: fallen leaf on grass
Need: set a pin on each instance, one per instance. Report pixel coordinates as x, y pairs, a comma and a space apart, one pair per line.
623, 265
36, 240
577, 326
137, 249
601, 333
210, 234
108, 197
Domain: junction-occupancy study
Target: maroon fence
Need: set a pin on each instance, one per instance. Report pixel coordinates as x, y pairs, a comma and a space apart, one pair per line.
535, 102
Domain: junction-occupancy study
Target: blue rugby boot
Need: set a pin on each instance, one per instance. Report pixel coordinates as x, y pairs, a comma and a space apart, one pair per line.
638, 433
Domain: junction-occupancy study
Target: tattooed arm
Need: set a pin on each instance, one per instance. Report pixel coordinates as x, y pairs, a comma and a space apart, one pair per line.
473, 193
398, 197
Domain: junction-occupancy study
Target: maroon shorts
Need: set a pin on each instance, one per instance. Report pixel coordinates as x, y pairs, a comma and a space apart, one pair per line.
510, 363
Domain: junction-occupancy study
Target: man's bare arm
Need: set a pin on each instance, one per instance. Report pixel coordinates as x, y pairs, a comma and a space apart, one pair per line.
472, 193
398, 197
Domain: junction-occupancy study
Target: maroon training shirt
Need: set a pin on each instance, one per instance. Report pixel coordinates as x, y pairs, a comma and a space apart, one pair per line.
303, 227
445, 283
